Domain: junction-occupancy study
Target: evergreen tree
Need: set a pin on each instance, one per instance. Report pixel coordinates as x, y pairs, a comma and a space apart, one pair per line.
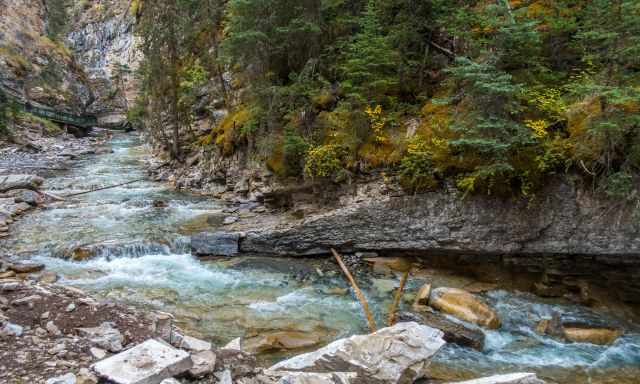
370, 64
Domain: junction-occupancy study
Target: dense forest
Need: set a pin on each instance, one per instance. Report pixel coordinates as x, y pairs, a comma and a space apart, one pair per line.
495, 96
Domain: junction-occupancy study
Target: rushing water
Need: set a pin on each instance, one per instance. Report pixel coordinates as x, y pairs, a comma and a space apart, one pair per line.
143, 258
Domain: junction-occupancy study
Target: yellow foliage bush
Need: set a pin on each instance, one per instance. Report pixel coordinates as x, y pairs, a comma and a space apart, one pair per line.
228, 131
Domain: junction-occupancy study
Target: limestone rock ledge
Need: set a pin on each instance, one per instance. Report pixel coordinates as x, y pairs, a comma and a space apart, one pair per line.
563, 220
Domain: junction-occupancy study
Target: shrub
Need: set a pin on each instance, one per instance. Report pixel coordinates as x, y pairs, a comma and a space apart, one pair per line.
416, 167
325, 160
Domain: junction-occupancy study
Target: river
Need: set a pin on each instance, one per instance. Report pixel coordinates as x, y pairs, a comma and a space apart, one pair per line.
142, 257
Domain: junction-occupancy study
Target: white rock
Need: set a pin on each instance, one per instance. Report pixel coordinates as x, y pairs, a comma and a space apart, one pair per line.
69, 378
225, 377
170, 381
234, 344
106, 336
192, 344
314, 378
13, 329
514, 378
52, 329
147, 363
86, 377
204, 363
98, 353
71, 307
393, 355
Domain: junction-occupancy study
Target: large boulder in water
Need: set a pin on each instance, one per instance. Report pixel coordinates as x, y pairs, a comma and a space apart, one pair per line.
393, 355
584, 334
454, 332
464, 306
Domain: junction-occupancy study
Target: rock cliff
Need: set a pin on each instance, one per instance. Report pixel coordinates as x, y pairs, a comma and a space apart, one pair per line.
32, 64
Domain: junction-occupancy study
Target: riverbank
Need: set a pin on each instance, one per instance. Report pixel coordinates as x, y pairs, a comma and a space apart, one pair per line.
131, 245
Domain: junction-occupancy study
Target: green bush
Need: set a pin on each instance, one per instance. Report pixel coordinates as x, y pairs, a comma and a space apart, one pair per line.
325, 160
416, 167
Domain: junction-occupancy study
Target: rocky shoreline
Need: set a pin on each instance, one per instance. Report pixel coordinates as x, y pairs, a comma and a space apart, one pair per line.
55, 334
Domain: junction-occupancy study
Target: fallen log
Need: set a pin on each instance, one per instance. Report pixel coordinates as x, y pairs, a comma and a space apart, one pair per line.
359, 294
103, 188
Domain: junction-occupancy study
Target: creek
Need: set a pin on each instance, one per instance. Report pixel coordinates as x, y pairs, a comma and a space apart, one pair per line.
142, 257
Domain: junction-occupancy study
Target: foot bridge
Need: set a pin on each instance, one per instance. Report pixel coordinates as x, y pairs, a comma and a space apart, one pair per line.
84, 121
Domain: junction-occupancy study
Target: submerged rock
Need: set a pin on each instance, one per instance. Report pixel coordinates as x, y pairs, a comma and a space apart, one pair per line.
514, 378
583, 334
26, 267
464, 306
215, 244
422, 297
147, 363
453, 332
394, 355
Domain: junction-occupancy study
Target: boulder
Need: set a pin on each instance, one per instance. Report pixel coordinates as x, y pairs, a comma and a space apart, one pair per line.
393, 355
235, 344
239, 363
48, 277
170, 381
98, 353
30, 197
398, 264
280, 341
11, 182
11, 329
514, 378
106, 336
26, 267
583, 334
148, 363
464, 306
204, 363
53, 329
313, 378
86, 377
215, 244
422, 297
192, 344
456, 333
69, 378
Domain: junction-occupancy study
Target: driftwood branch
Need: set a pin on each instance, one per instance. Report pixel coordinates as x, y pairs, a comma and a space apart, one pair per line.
359, 294
396, 301
443, 50
104, 188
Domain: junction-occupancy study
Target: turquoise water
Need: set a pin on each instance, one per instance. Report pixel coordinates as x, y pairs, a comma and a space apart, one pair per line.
141, 257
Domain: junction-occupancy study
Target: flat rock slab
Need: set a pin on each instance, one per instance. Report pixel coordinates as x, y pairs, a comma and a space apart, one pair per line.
148, 363
393, 355
513, 378
215, 244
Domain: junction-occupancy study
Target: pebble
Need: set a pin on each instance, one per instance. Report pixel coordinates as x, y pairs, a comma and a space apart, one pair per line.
71, 307
53, 330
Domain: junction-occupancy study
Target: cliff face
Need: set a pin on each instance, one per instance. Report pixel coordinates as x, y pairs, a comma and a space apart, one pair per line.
103, 44
566, 237
89, 68
34, 66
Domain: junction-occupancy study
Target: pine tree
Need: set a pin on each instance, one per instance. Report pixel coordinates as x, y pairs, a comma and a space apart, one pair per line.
370, 63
